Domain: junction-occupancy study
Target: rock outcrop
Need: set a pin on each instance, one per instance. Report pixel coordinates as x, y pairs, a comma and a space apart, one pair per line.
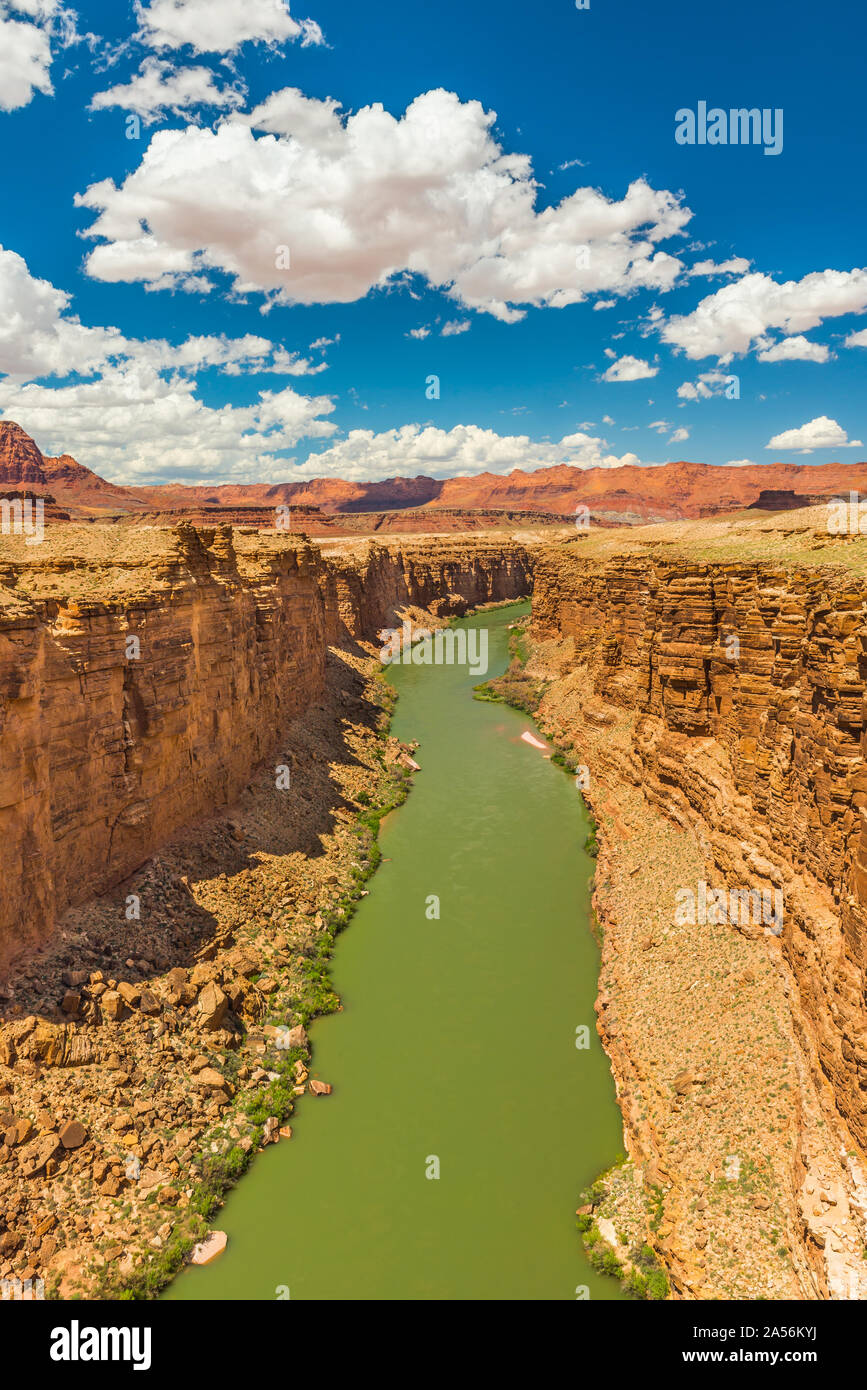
366, 585
21, 462
136, 695
749, 683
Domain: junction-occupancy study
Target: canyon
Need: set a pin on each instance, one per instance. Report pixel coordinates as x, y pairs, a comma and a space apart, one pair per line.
143, 674
150, 678
160, 900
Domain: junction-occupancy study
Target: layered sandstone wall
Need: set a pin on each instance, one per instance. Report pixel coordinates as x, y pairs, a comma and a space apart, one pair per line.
127, 715
366, 585
742, 690
108, 748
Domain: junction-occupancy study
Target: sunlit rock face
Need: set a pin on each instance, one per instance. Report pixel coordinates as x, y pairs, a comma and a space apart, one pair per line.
747, 686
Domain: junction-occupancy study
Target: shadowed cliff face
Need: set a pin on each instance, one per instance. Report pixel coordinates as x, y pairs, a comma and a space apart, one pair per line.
144, 675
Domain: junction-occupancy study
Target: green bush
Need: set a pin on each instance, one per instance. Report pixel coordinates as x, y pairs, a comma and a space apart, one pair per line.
605, 1261
636, 1285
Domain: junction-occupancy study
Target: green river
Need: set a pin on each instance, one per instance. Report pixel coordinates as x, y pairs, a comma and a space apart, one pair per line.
456, 1042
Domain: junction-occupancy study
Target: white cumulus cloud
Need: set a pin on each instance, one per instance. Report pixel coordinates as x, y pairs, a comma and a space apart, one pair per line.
133, 412
736, 266
359, 202
26, 47
221, 26
158, 87
797, 349
40, 337
463, 451
133, 426
728, 323
821, 433
629, 369
708, 384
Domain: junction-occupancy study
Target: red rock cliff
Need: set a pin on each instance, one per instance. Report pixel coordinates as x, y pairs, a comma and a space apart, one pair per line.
730, 696
144, 673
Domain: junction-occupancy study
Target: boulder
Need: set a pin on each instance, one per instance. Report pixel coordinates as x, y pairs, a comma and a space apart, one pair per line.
18, 1133
112, 1006
211, 1080
80, 1051
319, 1088
212, 1006
203, 973
74, 978
33, 1157
73, 1134
242, 962
46, 1043
209, 1248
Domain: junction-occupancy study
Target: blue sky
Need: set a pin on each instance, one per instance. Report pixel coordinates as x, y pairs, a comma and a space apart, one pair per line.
148, 329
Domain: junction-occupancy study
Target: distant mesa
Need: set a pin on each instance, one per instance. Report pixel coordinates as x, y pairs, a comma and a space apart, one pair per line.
331, 506
785, 500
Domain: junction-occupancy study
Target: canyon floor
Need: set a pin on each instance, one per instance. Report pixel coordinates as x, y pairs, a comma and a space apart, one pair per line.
143, 1060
